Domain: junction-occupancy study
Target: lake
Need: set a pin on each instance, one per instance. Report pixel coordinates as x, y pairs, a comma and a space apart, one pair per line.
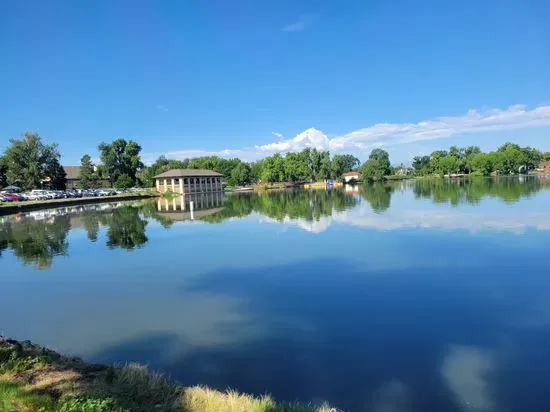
427, 295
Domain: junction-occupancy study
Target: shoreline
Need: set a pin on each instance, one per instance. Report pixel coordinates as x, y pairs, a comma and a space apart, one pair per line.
38, 379
29, 206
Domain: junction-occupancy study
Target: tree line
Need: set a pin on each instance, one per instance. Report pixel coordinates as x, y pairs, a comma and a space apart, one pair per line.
307, 165
509, 158
29, 163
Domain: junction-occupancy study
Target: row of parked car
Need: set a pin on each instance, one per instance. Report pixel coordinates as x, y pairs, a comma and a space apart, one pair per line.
39, 194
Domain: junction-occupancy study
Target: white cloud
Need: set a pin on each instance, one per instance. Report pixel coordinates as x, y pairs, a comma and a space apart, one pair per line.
279, 135
300, 24
161, 107
389, 134
465, 369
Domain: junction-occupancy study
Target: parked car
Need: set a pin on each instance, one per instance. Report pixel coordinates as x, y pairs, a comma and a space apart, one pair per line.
4, 198
14, 197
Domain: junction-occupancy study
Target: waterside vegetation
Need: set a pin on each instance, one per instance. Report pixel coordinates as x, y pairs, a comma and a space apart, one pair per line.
121, 165
36, 379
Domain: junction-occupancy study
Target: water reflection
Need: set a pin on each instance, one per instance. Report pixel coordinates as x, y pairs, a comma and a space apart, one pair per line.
37, 237
411, 296
471, 191
36, 241
182, 208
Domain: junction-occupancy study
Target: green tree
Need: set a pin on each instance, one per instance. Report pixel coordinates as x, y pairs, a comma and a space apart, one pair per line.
121, 157
88, 177
546, 156
421, 165
449, 164
378, 166
124, 182
373, 170
481, 164
57, 175
383, 159
342, 164
240, 175
3, 171
30, 162
325, 166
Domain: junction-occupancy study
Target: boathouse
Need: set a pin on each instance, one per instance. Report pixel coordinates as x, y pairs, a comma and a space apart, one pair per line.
189, 181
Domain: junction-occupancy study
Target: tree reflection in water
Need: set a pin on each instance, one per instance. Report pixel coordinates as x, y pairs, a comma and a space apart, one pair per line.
37, 237
36, 242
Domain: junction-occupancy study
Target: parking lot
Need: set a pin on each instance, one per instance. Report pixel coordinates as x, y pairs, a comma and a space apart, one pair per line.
8, 196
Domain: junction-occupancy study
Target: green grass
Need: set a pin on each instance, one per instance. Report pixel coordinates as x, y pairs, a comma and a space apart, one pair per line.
34, 379
14, 397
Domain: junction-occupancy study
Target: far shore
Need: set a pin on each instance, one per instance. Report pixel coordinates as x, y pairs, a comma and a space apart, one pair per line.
29, 206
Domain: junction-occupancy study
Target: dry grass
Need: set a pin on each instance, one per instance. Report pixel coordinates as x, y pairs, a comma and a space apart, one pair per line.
35, 379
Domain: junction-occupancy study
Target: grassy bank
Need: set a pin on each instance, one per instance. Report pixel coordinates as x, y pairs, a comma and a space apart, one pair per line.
33, 378
29, 206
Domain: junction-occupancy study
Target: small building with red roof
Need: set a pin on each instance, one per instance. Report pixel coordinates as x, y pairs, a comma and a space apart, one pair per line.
351, 177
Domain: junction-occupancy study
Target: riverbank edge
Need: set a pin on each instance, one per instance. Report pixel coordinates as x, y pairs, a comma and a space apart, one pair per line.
35, 378
30, 206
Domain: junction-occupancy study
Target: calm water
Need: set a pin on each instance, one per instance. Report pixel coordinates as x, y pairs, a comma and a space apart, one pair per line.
416, 296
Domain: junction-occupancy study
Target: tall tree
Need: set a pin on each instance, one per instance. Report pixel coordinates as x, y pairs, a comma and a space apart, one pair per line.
57, 176
342, 164
378, 166
88, 177
240, 175
421, 165
30, 162
121, 157
3, 171
383, 159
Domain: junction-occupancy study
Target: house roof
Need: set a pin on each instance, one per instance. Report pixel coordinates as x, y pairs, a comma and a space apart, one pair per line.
352, 174
546, 163
187, 173
72, 172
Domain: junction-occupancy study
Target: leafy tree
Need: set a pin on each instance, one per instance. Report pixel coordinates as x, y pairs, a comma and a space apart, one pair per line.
124, 182
342, 164
378, 166
240, 175
121, 157
449, 164
325, 166
372, 169
383, 159
88, 178
3, 171
421, 165
546, 156
481, 164
29, 162
57, 175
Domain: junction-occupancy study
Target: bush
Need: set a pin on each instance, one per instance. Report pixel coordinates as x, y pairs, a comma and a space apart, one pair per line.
124, 182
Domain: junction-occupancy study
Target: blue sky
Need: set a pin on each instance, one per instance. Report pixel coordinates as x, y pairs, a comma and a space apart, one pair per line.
247, 78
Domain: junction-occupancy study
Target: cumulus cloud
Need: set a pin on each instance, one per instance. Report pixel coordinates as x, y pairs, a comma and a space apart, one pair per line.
390, 134
279, 135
